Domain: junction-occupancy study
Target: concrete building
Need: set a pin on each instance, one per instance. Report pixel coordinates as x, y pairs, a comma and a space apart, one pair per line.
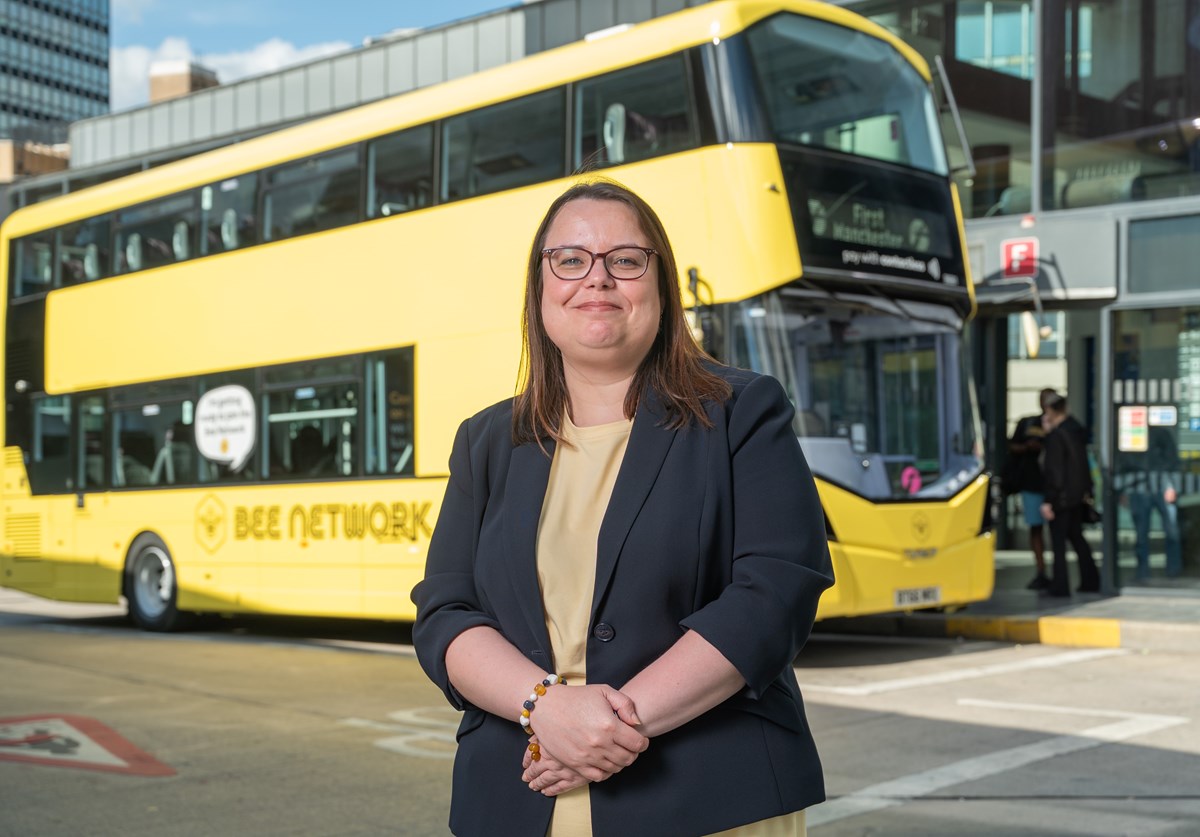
172, 79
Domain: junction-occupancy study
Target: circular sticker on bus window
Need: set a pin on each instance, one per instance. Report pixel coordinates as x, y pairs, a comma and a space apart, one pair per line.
225, 426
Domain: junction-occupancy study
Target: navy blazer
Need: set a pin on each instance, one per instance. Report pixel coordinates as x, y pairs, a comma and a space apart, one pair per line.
715, 530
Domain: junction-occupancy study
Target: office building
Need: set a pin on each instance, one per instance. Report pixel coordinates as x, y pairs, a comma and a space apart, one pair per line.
53, 71
1083, 120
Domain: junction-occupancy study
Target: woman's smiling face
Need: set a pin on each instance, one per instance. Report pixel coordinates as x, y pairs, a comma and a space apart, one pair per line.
599, 320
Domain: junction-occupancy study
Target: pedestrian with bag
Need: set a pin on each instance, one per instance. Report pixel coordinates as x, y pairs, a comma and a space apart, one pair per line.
1067, 484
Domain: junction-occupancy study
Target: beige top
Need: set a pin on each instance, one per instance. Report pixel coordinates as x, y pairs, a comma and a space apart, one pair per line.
581, 481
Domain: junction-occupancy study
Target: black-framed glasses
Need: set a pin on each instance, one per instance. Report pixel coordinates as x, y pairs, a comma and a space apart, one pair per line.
573, 263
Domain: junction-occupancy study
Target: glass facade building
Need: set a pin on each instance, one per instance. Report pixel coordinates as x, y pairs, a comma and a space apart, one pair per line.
1082, 119
53, 66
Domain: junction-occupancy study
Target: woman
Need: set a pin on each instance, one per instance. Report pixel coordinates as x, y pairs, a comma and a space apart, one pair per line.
641, 522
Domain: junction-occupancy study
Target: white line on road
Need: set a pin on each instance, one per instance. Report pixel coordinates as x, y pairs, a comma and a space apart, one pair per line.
425, 732
901, 790
1067, 710
916, 682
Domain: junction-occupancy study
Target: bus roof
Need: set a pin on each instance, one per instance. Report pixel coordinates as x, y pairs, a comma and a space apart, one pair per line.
646, 41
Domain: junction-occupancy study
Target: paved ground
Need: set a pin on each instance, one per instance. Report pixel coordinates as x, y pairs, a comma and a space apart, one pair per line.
315, 727
1165, 620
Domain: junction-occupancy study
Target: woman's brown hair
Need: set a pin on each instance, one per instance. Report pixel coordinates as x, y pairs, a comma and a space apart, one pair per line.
674, 367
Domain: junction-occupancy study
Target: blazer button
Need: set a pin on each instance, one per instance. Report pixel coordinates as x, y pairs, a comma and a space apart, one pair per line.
603, 631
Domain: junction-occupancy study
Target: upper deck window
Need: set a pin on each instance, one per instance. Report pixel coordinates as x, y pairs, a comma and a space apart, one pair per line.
227, 214
400, 172
314, 194
32, 264
504, 146
836, 88
634, 114
156, 233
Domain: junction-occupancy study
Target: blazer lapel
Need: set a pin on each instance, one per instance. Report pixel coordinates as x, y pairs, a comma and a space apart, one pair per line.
525, 490
644, 455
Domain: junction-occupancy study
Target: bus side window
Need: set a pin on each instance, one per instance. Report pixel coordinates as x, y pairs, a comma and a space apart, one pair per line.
400, 172
145, 440
93, 457
31, 264
48, 457
84, 253
634, 114
504, 146
227, 214
312, 415
157, 233
317, 193
390, 435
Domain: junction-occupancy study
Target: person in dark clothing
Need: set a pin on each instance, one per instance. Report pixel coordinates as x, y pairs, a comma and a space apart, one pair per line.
1023, 474
1067, 485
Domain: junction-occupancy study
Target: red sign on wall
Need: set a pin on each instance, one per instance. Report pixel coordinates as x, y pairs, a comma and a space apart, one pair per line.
1019, 257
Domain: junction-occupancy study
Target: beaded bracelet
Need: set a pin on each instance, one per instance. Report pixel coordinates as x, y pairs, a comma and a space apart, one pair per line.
527, 708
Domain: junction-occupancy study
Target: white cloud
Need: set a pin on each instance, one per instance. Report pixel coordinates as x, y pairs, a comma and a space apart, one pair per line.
266, 57
129, 66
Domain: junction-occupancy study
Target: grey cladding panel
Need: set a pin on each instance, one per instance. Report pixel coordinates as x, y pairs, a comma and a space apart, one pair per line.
223, 107
561, 24
248, 115
431, 58
461, 57
492, 40
320, 87
202, 117
181, 121
401, 63
160, 126
294, 104
635, 11
596, 15
270, 99
121, 139
345, 81
372, 83
139, 132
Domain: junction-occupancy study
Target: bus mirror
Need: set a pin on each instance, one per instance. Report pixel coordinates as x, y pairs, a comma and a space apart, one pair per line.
952, 106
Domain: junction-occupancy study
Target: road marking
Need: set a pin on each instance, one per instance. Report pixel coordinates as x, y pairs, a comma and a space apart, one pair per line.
74, 741
906, 788
425, 732
919, 681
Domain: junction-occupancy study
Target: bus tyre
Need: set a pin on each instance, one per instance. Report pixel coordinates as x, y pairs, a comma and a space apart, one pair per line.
151, 586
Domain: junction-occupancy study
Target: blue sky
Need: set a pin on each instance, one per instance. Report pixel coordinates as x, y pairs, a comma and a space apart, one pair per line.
239, 38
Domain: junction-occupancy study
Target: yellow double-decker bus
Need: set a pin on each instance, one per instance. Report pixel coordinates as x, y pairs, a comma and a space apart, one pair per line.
232, 382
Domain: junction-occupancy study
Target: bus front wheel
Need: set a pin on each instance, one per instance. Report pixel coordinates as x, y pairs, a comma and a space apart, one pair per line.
151, 586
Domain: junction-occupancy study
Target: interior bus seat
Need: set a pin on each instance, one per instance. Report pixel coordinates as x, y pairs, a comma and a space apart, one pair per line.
181, 237
93, 470
630, 135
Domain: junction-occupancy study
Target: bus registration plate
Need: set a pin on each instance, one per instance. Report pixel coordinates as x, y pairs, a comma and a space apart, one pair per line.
917, 596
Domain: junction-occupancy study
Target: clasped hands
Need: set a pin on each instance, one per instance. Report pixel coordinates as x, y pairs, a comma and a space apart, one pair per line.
585, 734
